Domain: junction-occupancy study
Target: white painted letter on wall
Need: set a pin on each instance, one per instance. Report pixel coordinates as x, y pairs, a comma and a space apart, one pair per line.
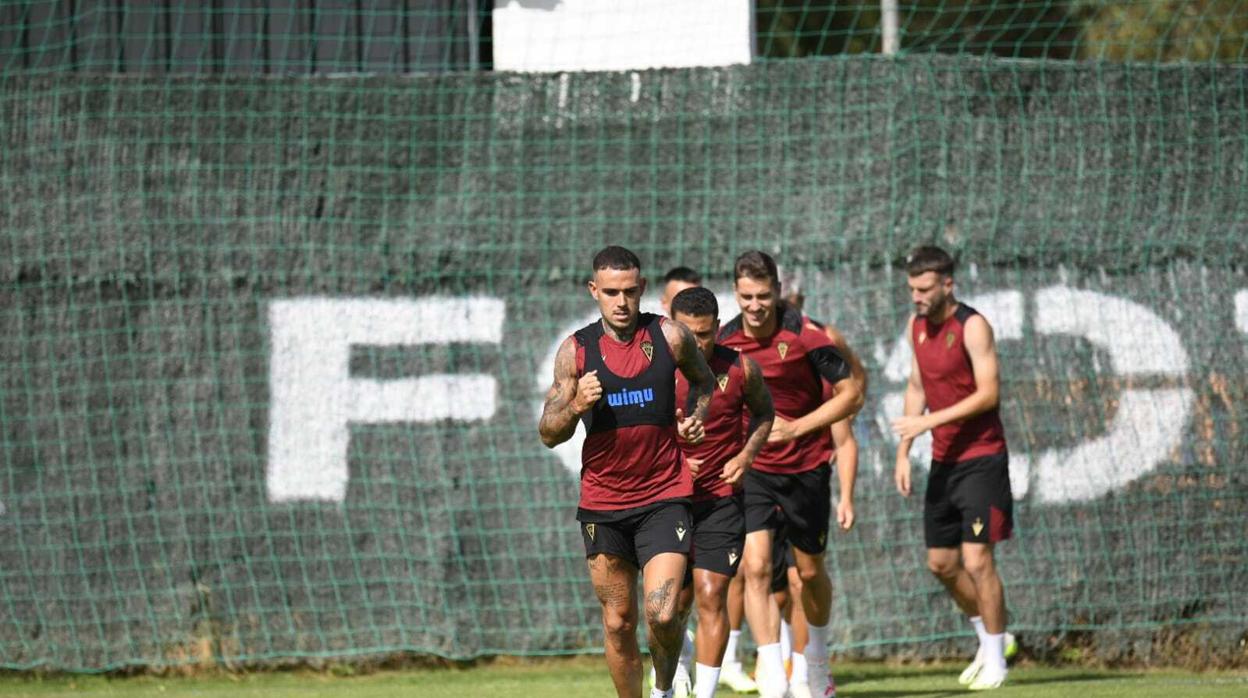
313, 398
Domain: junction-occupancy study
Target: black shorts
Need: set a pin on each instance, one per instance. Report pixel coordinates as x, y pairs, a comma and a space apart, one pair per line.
968, 502
781, 560
718, 534
638, 534
797, 504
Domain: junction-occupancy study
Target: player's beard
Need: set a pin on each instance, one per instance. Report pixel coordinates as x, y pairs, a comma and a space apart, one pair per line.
935, 309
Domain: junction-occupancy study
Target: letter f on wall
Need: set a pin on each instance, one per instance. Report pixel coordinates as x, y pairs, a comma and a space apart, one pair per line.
313, 399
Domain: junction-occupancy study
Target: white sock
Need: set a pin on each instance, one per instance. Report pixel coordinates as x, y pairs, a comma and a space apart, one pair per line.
786, 640
657, 693
799, 669
730, 652
707, 678
686, 655
816, 653
772, 669
994, 650
978, 623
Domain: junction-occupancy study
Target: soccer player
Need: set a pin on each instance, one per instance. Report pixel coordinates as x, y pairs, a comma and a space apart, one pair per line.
968, 507
676, 280
617, 376
718, 465
789, 486
786, 583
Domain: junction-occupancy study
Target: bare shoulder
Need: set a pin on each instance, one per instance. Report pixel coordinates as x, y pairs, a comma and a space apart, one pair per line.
977, 332
676, 334
565, 359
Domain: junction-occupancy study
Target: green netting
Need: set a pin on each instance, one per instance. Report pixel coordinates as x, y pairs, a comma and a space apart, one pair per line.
274, 344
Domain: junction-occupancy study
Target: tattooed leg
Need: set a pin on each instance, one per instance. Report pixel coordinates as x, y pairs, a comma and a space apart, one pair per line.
615, 583
663, 576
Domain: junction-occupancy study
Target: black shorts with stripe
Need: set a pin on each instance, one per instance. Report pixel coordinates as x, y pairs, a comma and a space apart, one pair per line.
718, 534
968, 502
638, 534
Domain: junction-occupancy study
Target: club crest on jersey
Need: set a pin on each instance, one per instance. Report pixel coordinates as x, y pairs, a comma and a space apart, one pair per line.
591, 529
783, 348
648, 349
631, 397
949, 338
722, 379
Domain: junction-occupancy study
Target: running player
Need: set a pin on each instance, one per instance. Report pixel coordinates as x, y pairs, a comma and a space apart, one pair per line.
790, 485
968, 507
786, 583
718, 465
617, 376
676, 280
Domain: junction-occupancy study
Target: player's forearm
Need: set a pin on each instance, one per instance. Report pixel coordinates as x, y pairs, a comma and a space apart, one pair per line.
847, 471
557, 425
759, 429
846, 403
912, 406
699, 402
973, 405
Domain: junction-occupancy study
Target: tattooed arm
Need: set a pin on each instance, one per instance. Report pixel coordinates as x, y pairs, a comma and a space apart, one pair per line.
568, 398
691, 363
762, 414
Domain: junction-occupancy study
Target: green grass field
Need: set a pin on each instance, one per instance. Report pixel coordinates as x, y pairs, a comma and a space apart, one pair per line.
587, 676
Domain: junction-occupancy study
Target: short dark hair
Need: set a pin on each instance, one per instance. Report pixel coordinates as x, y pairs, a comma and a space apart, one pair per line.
684, 274
695, 302
756, 265
616, 257
927, 258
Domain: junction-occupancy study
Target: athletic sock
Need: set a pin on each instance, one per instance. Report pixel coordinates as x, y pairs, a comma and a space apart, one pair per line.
730, 652
994, 650
772, 669
705, 681
686, 653
786, 640
799, 668
816, 653
978, 623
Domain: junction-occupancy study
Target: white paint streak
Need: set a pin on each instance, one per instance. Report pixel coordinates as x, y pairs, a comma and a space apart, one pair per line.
1241, 311
635, 92
313, 399
1136, 340
1148, 426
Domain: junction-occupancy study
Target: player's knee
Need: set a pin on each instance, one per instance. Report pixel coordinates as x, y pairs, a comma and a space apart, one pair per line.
810, 570
978, 566
756, 569
662, 621
712, 594
943, 568
615, 622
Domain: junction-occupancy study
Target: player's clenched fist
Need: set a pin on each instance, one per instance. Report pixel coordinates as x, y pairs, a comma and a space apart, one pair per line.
689, 429
588, 390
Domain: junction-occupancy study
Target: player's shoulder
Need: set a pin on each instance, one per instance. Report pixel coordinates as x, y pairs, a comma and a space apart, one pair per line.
727, 355
814, 334
968, 316
730, 330
965, 312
